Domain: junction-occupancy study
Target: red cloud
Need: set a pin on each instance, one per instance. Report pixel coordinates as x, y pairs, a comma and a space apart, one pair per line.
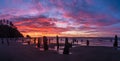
39, 25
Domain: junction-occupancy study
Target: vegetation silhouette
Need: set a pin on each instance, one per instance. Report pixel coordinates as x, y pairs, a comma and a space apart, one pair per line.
8, 30
28, 36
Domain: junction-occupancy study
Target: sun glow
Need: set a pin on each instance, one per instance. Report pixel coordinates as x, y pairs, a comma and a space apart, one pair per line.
39, 34
33, 34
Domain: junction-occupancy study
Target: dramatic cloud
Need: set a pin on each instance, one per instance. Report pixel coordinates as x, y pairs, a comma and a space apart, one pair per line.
63, 17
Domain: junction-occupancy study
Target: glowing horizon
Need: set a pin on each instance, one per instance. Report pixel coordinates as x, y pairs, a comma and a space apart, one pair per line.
72, 18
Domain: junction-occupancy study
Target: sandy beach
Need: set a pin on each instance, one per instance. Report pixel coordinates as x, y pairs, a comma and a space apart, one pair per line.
59, 30
18, 52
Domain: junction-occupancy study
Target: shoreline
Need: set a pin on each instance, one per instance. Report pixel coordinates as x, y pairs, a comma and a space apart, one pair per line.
19, 52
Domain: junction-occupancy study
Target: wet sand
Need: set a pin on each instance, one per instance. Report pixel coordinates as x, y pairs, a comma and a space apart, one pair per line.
19, 52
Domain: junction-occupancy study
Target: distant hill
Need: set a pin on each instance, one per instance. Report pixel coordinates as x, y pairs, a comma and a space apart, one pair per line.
8, 30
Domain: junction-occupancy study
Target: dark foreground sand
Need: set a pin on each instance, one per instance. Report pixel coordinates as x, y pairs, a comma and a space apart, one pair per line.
17, 52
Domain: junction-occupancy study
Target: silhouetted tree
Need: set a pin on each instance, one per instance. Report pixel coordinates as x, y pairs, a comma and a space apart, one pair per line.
66, 47
7, 22
9, 32
28, 36
45, 42
115, 44
11, 24
57, 40
0, 22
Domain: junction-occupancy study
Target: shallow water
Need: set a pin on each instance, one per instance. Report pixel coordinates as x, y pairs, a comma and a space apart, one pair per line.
108, 42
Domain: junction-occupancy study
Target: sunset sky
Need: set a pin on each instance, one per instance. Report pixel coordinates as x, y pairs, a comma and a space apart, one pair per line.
74, 18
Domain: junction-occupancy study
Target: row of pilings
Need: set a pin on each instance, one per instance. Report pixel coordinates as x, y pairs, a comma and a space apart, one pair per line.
46, 41
67, 44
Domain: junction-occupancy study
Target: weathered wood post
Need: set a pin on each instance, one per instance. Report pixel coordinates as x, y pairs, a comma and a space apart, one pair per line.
67, 47
45, 43
87, 42
57, 40
115, 44
39, 42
